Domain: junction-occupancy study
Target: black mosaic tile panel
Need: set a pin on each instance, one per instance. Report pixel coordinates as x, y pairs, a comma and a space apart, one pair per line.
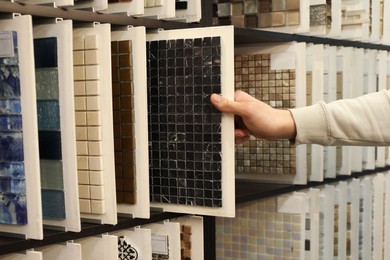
45, 52
50, 145
184, 127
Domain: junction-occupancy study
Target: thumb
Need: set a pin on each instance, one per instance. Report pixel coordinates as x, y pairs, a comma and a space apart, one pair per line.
225, 105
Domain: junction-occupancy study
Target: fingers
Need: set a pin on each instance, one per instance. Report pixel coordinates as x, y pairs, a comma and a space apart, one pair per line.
226, 105
241, 136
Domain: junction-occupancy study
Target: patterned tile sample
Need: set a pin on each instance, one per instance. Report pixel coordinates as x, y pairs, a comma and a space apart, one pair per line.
184, 127
160, 247
88, 124
124, 125
319, 14
13, 208
185, 238
336, 231
276, 88
125, 250
259, 231
49, 129
257, 13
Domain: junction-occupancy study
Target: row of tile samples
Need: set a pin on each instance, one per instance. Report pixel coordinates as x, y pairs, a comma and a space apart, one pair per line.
131, 134
363, 20
176, 10
283, 76
180, 238
344, 220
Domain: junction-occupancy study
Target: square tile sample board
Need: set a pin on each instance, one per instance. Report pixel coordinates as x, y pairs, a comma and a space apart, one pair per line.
191, 144
60, 200
19, 162
276, 75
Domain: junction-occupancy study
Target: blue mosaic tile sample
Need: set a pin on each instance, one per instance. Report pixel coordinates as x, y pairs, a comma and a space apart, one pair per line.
13, 208
49, 127
53, 204
184, 127
48, 114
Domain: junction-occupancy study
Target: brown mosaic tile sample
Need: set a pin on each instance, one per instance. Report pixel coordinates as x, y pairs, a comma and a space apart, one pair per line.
186, 242
123, 111
276, 88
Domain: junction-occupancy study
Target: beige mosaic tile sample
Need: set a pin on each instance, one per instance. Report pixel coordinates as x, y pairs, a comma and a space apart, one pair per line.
276, 88
88, 124
259, 231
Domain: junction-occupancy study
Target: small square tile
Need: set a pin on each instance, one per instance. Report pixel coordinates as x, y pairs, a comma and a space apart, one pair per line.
94, 118
92, 72
84, 192
292, 5
92, 87
93, 103
96, 178
292, 18
78, 58
82, 162
95, 148
278, 19
95, 163
78, 43
80, 103
91, 42
97, 207
81, 118
82, 148
83, 177
94, 134
79, 88
97, 192
81, 133
279, 5
91, 57
79, 72
85, 205
124, 46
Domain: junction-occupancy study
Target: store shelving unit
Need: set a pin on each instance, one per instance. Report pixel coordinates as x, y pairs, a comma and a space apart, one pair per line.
245, 190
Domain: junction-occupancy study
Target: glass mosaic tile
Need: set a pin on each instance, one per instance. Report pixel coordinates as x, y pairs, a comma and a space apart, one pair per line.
45, 52
50, 145
276, 88
88, 121
260, 231
124, 123
53, 204
49, 128
13, 208
184, 127
48, 114
47, 83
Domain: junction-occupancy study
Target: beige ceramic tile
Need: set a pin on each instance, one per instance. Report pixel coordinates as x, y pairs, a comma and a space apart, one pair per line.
278, 18
279, 5
93, 103
264, 20
95, 148
91, 42
292, 18
94, 134
96, 178
92, 87
79, 73
92, 72
237, 8
292, 4
91, 57
80, 103
79, 88
97, 192
81, 118
81, 133
94, 118
97, 207
82, 162
238, 21
78, 57
84, 192
82, 147
85, 205
95, 163
83, 177
78, 42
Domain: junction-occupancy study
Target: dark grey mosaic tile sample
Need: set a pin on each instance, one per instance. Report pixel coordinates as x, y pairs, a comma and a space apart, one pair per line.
184, 127
45, 52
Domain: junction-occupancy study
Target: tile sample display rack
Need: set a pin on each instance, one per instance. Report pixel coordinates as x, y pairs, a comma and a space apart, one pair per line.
245, 191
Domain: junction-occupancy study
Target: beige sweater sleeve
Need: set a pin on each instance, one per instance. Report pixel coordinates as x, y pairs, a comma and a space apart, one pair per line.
360, 121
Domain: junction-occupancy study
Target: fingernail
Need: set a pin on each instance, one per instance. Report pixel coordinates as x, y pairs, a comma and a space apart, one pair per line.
217, 98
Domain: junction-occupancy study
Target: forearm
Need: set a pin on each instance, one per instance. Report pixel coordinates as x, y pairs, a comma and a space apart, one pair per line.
361, 121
